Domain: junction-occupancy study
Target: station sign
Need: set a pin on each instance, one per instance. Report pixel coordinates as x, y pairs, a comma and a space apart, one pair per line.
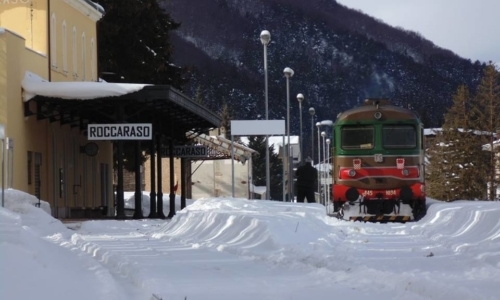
132, 131
197, 151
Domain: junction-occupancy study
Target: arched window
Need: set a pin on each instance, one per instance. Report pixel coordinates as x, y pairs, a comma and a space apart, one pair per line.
75, 52
84, 57
53, 41
64, 47
93, 76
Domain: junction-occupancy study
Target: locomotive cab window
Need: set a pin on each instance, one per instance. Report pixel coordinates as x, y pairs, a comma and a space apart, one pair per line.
357, 137
399, 137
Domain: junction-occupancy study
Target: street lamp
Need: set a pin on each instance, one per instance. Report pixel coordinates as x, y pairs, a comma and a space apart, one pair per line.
318, 124
2, 137
265, 38
328, 173
323, 135
288, 74
300, 97
312, 112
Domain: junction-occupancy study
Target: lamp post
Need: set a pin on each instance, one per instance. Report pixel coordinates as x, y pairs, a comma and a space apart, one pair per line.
288, 74
318, 125
2, 137
300, 97
312, 112
327, 175
265, 38
323, 134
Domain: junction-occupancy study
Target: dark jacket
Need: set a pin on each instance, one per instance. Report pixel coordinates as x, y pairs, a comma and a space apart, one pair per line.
306, 175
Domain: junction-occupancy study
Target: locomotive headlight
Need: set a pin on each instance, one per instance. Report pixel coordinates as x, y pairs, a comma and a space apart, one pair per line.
405, 172
352, 173
377, 115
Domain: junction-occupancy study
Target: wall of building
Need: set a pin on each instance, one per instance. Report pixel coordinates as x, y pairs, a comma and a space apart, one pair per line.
213, 178
209, 178
165, 163
27, 18
67, 177
76, 33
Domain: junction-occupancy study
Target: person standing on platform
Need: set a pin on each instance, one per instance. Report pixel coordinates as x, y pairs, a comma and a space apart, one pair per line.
306, 181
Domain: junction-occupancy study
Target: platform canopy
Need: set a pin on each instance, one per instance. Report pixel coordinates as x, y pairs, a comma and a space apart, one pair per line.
80, 103
221, 147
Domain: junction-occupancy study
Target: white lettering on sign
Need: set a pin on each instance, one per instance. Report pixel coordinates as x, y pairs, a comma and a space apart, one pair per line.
119, 131
187, 151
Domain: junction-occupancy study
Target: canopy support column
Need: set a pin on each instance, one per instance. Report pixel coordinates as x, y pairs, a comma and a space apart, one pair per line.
152, 194
159, 195
138, 183
172, 192
120, 202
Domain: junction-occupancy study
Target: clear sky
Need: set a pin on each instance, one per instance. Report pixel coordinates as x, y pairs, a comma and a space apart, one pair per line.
469, 28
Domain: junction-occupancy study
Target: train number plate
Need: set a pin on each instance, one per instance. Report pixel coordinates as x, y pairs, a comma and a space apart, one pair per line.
378, 158
391, 192
371, 193
367, 193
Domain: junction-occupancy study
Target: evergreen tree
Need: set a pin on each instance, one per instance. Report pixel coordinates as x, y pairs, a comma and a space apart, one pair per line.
465, 144
455, 156
134, 47
258, 143
488, 121
133, 39
226, 114
437, 172
198, 97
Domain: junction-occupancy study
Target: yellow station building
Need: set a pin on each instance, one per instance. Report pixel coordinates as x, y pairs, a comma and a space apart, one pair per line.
48, 74
56, 41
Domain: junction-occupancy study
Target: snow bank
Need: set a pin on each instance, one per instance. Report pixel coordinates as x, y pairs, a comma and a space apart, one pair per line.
301, 235
22, 202
129, 198
34, 267
246, 226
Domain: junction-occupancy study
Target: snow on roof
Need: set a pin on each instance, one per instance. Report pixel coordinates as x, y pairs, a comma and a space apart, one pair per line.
34, 85
97, 6
275, 141
433, 131
258, 189
237, 145
487, 147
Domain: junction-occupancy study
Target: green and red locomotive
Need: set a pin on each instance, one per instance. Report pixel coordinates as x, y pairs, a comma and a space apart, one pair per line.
378, 163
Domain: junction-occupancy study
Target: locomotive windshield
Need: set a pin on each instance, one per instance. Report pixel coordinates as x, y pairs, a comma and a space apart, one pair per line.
357, 137
399, 137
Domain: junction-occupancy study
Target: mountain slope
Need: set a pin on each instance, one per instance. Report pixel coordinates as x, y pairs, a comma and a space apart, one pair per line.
340, 56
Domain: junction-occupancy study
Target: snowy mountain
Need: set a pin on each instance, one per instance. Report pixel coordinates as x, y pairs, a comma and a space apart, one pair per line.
340, 56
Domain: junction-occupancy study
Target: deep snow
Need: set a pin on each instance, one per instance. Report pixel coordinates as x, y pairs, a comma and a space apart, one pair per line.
250, 249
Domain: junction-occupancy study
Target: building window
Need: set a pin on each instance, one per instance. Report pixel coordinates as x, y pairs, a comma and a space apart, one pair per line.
92, 60
75, 52
84, 57
38, 164
64, 48
30, 160
61, 182
53, 41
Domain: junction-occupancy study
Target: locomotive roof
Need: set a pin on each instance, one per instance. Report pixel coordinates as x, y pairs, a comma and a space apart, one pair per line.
368, 109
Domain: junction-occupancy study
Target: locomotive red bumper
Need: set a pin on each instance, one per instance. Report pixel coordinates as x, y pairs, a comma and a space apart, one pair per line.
346, 193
